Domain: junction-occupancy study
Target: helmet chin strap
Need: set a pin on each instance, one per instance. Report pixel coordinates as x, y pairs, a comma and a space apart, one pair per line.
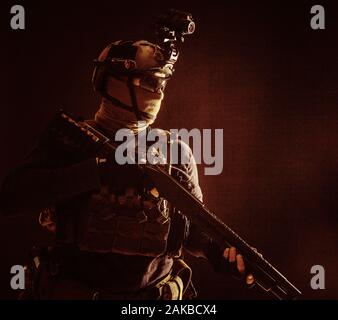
133, 98
140, 115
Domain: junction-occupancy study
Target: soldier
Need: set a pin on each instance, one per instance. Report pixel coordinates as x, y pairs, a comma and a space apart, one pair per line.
115, 238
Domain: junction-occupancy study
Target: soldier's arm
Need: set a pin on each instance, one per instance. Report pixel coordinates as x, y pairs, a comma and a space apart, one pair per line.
197, 242
200, 244
40, 182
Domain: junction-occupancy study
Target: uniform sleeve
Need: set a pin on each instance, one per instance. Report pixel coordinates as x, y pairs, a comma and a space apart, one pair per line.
198, 243
40, 181
187, 174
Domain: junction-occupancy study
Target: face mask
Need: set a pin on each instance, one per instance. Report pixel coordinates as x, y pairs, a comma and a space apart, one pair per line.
112, 118
148, 76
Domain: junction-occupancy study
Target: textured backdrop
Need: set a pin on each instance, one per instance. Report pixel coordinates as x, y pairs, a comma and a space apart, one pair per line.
256, 70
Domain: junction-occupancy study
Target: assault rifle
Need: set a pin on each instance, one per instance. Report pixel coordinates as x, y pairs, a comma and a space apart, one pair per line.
75, 132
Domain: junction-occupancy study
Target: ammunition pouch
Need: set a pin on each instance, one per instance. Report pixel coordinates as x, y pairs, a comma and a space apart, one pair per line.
131, 224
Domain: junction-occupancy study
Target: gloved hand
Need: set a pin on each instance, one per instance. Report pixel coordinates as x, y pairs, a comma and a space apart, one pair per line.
237, 264
228, 261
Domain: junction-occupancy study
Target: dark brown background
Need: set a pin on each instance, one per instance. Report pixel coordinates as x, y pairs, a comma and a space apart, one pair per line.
256, 70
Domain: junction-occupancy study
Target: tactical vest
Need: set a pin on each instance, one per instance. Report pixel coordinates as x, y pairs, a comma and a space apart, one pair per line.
128, 217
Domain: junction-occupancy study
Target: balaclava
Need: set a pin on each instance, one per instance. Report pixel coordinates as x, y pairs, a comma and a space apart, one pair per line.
111, 117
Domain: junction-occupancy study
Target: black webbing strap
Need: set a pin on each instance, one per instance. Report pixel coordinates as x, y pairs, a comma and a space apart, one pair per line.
133, 98
126, 50
118, 103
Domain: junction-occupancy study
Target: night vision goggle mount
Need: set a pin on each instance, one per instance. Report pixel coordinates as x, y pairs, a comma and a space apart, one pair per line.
171, 28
